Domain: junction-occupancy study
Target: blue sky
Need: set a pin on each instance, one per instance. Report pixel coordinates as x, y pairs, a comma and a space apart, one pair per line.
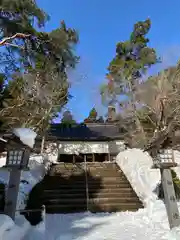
101, 24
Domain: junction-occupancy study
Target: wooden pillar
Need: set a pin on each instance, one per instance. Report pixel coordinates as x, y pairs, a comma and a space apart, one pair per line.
109, 157
93, 157
74, 159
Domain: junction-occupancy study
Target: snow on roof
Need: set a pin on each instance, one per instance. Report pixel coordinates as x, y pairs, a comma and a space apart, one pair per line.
26, 135
3, 140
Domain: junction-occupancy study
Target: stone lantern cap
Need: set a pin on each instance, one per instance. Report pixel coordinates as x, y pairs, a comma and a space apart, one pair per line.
19, 145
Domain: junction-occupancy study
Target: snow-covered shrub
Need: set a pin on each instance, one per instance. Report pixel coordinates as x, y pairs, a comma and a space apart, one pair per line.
34, 202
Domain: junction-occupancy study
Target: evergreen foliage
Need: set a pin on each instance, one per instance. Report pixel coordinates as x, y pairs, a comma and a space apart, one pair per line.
35, 65
176, 183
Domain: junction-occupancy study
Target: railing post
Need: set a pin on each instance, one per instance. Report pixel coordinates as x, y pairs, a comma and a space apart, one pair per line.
93, 157
43, 214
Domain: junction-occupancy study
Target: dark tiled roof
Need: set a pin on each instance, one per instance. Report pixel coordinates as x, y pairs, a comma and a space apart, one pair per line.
89, 131
78, 132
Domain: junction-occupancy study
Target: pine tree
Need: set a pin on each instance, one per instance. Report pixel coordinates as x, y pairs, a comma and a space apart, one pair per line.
92, 116
44, 58
125, 72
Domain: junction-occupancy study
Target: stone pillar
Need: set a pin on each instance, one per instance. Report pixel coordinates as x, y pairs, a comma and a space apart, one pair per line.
170, 198
12, 193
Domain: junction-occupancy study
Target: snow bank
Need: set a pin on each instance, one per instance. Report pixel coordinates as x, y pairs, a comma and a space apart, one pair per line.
6, 223
37, 233
136, 165
9, 230
29, 178
37, 165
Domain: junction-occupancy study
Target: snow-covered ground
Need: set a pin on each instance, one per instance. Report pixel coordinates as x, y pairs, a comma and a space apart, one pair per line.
87, 226
125, 226
149, 223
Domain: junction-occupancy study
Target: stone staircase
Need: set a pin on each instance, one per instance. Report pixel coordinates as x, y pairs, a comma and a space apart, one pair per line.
103, 187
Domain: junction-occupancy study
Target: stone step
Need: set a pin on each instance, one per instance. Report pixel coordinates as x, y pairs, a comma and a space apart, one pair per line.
109, 190
91, 173
82, 177
60, 195
93, 176
107, 163
91, 170
96, 186
57, 172
113, 207
102, 168
91, 185
102, 164
81, 191
84, 167
107, 178
79, 201
94, 173
90, 179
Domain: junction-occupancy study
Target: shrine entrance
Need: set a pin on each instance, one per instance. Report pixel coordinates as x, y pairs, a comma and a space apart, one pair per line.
89, 157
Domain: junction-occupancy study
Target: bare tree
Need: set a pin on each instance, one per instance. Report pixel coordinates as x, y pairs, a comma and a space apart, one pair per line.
154, 117
159, 97
35, 99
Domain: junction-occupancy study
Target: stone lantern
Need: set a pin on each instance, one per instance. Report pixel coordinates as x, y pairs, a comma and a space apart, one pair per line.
164, 159
17, 155
19, 146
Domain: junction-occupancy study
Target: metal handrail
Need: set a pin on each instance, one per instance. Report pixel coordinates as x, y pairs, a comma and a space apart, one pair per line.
43, 208
29, 210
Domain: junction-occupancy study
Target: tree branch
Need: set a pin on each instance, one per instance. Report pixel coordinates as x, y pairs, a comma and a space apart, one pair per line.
17, 35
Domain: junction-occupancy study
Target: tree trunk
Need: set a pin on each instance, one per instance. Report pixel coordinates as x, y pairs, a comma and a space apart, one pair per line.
42, 144
139, 126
